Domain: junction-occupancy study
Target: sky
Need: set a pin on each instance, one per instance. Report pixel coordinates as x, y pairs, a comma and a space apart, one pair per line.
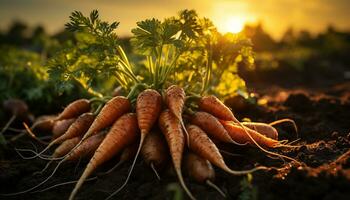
228, 15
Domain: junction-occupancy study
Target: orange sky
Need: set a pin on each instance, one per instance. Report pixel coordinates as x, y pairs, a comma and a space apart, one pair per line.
276, 15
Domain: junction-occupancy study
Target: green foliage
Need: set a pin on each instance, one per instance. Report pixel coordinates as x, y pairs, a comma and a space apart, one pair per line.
22, 75
188, 49
93, 59
164, 42
185, 50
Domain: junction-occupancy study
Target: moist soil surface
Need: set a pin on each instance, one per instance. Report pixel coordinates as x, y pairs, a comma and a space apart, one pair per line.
322, 146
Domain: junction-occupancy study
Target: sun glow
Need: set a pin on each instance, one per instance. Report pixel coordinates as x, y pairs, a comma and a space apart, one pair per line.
233, 24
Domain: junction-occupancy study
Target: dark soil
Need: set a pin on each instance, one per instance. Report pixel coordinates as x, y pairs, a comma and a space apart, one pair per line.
323, 119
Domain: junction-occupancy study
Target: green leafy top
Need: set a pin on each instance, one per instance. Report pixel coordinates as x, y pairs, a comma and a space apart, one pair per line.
185, 50
94, 57
92, 24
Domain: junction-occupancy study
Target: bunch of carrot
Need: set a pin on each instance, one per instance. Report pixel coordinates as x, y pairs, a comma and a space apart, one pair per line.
158, 129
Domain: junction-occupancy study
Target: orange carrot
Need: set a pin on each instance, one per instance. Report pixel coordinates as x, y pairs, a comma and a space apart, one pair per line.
127, 154
86, 148
60, 127
78, 127
122, 133
263, 128
154, 151
215, 107
239, 135
175, 99
113, 109
201, 170
44, 123
211, 126
211, 104
148, 106
65, 147
171, 128
75, 109
203, 146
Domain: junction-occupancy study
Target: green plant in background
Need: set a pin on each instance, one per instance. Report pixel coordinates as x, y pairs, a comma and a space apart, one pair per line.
22, 75
248, 190
176, 189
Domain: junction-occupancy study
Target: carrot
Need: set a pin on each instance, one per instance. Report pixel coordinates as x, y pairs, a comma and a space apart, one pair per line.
211, 104
76, 129
212, 126
175, 99
244, 134
113, 109
65, 147
44, 123
267, 129
198, 168
238, 134
201, 170
122, 133
61, 126
154, 151
171, 128
262, 128
16, 107
204, 147
75, 109
214, 106
86, 148
148, 106
127, 154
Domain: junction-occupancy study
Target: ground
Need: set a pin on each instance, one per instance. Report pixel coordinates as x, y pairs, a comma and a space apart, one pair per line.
323, 119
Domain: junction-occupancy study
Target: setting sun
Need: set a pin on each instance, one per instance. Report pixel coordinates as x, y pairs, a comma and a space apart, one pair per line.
233, 25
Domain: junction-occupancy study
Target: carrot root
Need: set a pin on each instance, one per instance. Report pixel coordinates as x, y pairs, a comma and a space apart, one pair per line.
182, 182
62, 184
38, 185
286, 120
154, 170
215, 187
143, 136
263, 149
2, 138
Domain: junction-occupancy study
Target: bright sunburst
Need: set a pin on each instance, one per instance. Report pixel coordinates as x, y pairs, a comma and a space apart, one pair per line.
233, 25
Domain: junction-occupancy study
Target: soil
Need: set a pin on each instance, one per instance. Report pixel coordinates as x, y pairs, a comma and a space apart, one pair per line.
323, 139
